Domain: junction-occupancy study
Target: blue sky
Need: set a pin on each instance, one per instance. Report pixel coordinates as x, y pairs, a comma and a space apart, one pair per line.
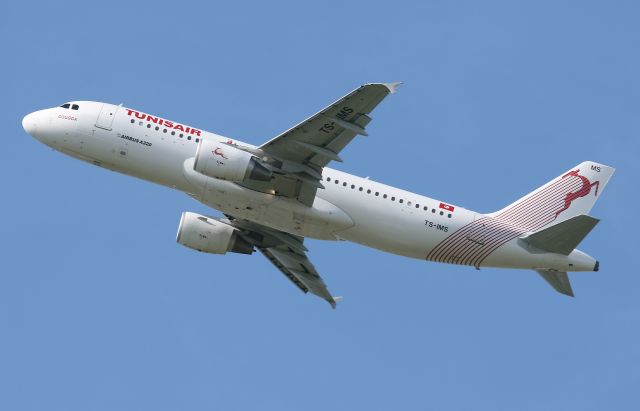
100, 309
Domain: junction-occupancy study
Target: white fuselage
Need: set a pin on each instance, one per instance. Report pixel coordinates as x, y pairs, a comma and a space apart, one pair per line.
348, 208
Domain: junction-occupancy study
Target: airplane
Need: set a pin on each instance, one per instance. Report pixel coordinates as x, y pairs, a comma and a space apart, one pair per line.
275, 195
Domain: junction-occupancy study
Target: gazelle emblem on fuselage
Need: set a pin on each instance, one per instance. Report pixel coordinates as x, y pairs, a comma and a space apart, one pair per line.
581, 192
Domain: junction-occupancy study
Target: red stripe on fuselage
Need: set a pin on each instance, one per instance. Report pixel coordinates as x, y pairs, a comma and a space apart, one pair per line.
474, 242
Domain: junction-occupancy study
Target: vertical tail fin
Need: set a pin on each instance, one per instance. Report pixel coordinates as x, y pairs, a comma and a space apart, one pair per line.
568, 195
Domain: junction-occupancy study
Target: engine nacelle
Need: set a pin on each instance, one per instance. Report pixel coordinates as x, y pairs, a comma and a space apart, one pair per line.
225, 162
209, 235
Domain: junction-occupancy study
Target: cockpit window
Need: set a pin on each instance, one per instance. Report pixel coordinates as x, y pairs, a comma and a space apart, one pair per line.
75, 107
65, 105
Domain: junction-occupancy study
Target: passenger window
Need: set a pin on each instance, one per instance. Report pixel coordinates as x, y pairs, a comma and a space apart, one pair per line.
360, 189
449, 216
164, 130
336, 181
188, 137
197, 140
377, 193
353, 186
173, 133
384, 196
393, 199
368, 191
328, 178
65, 105
401, 200
157, 128
180, 135
75, 107
148, 125
344, 184
132, 121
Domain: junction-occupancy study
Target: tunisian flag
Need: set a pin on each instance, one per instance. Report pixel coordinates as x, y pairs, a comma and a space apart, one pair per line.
447, 207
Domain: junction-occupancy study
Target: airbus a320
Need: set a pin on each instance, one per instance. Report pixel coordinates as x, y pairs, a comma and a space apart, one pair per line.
274, 195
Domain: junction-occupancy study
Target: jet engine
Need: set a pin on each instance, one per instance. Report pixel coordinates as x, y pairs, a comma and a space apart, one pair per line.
226, 162
209, 235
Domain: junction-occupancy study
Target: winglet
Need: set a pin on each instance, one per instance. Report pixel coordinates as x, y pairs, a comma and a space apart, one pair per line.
335, 301
393, 87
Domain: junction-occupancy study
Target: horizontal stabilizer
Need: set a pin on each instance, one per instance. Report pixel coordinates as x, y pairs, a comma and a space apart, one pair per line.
558, 280
564, 237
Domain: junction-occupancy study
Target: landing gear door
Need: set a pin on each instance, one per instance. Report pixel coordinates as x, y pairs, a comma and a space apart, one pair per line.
106, 116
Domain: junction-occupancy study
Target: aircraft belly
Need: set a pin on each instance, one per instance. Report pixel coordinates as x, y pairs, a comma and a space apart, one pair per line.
392, 239
516, 254
320, 221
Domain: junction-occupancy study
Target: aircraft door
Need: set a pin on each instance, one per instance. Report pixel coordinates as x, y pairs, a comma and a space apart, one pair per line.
106, 116
479, 234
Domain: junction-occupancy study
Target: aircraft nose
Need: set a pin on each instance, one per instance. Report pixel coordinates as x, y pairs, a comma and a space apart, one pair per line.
29, 123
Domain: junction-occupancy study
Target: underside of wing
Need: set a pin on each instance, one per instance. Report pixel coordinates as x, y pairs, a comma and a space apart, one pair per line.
297, 156
288, 253
297, 268
320, 138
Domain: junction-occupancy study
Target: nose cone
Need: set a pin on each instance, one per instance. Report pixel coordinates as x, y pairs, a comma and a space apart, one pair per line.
29, 123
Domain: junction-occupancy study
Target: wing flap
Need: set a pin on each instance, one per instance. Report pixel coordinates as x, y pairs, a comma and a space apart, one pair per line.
345, 118
284, 270
300, 271
313, 143
288, 254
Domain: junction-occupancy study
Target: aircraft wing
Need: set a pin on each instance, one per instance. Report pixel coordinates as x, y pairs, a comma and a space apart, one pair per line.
307, 147
288, 253
297, 268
